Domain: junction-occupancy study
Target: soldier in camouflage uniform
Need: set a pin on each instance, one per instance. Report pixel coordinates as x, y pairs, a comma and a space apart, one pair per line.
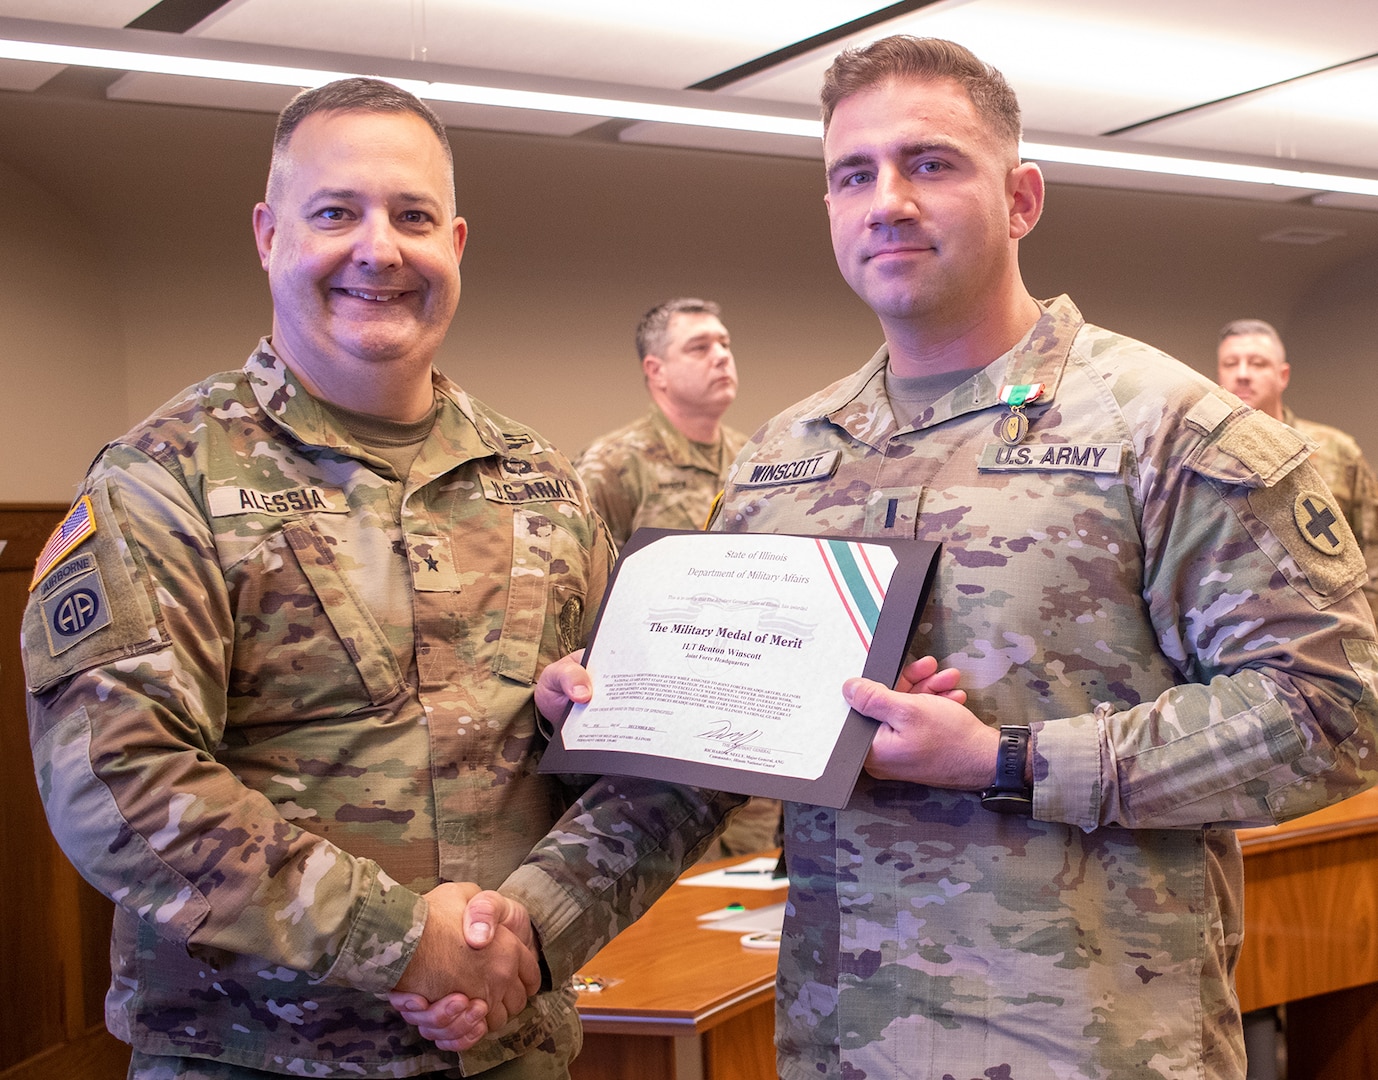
1252, 364
1154, 605
281, 658
665, 470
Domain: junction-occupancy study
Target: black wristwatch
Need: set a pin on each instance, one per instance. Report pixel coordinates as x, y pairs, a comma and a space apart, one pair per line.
1009, 794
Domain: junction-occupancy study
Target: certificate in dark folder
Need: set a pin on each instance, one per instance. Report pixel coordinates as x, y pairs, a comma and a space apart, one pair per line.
718, 660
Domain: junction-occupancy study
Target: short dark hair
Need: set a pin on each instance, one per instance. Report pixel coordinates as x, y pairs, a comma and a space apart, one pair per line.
924, 59
652, 330
356, 94
1249, 326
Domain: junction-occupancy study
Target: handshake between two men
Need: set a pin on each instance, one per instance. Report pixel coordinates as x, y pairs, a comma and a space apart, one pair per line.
478, 961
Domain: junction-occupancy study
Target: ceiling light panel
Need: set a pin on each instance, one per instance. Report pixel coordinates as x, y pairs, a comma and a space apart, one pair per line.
214, 93
18, 75
1086, 67
636, 42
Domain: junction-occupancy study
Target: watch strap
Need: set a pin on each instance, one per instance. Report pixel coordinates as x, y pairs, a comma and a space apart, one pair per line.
1009, 793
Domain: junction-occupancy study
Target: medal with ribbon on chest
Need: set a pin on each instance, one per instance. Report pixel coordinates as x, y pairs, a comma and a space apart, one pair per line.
1014, 425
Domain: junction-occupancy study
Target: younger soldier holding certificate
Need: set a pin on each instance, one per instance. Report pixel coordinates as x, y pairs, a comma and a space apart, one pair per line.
1155, 605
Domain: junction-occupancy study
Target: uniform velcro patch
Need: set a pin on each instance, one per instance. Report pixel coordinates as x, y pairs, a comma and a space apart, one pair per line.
79, 523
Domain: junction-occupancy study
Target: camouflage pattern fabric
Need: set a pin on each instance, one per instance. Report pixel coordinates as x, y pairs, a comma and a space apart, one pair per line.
1156, 582
648, 474
282, 692
1342, 466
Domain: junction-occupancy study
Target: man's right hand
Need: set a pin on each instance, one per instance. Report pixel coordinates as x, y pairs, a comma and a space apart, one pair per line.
500, 971
561, 683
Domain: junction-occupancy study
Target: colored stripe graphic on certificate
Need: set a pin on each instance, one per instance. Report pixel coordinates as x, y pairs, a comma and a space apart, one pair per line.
858, 583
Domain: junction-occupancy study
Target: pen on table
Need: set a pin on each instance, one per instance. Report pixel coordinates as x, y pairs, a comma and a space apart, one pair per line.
756, 873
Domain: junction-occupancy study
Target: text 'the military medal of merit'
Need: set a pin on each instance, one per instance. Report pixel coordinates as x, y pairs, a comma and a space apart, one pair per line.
718, 660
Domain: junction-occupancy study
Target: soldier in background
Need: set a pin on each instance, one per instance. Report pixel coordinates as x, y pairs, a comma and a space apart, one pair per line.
665, 470
281, 657
1155, 640
1252, 364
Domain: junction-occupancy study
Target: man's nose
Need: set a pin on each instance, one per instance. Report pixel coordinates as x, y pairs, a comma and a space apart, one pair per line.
375, 243
892, 199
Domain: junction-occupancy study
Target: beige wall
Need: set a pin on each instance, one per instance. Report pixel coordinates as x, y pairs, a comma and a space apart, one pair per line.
128, 271
61, 352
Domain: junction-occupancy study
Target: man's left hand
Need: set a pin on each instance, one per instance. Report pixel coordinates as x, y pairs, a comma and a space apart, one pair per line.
927, 735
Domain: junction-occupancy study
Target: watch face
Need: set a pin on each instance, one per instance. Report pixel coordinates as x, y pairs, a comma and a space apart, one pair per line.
1008, 802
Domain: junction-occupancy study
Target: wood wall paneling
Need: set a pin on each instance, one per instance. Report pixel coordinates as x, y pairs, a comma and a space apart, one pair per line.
55, 929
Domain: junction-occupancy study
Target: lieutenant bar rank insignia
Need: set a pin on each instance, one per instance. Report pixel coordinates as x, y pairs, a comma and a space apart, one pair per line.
79, 524
1012, 427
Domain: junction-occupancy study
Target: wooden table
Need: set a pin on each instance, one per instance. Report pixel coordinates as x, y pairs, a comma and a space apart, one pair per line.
1311, 936
693, 1004
684, 1002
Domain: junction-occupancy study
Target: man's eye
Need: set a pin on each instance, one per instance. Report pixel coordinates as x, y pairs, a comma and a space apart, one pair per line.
331, 213
930, 167
415, 217
856, 179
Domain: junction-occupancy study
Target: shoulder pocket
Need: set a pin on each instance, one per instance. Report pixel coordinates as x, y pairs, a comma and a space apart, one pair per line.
93, 607
1284, 503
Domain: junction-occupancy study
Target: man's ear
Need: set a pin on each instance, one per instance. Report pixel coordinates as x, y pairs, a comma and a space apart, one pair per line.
461, 228
651, 365
265, 225
1024, 186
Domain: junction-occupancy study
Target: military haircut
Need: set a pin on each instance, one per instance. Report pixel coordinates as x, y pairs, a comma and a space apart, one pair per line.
1253, 326
356, 94
653, 329
922, 59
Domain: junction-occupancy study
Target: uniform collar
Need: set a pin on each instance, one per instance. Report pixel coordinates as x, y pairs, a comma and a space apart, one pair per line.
683, 451
461, 432
860, 406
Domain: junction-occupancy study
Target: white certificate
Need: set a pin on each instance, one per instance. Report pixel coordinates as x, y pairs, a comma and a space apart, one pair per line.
719, 659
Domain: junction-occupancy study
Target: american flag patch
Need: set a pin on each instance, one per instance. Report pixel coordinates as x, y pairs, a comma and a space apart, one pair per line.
79, 523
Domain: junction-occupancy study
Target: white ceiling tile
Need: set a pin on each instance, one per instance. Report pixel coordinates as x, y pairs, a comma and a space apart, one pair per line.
1082, 68
1325, 118
80, 12
1086, 67
628, 41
